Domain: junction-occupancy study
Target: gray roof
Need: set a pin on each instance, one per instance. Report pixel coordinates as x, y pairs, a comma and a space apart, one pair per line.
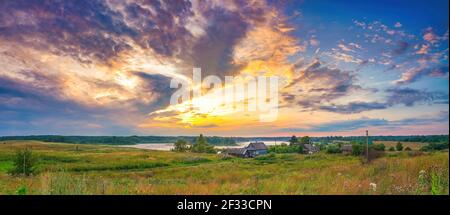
311, 148
236, 151
257, 146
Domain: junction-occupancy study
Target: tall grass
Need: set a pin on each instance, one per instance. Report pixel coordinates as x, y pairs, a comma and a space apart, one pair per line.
109, 170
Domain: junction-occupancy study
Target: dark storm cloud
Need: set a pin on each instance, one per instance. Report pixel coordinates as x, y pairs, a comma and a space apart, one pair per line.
93, 28
73, 27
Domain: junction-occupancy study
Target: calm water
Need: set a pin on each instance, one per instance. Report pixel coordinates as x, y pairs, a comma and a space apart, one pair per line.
169, 146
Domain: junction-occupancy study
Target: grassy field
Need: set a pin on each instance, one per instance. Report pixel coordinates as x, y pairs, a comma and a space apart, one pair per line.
94, 169
412, 145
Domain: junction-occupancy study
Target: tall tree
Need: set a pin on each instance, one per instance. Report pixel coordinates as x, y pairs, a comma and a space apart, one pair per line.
304, 140
202, 146
293, 140
180, 146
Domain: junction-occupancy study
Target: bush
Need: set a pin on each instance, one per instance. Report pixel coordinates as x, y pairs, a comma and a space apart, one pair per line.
407, 149
181, 146
201, 146
304, 140
286, 149
357, 149
333, 149
24, 163
293, 140
379, 147
391, 149
434, 147
399, 146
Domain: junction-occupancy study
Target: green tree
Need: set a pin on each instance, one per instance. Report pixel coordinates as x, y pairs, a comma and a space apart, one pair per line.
357, 149
299, 149
333, 149
304, 140
399, 146
391, 149
293, 140
24, 162
202, 146
180, 146
379, 147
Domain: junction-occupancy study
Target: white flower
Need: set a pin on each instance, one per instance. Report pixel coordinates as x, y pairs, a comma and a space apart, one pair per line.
373, 186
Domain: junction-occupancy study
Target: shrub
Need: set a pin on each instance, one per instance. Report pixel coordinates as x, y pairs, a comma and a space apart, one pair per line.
333, 149
357, 149
379, 147
22, 190
434, 147
286, 149
407, 149
305, 140
24, 163
399, 146
202, 146
391, 149
293, 140
181, 146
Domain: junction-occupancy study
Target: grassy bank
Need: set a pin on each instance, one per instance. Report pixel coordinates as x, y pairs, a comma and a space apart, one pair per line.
96, 169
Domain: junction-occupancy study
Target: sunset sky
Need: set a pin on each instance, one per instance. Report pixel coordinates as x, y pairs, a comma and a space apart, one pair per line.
104, 67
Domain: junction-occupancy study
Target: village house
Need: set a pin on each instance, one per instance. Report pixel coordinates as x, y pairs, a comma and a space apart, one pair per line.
252, 150
310, 148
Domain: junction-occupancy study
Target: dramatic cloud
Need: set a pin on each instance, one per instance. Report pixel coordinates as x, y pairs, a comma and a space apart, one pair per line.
413, 74
395, 96
105, 66
317, 84
410, 97
354, 107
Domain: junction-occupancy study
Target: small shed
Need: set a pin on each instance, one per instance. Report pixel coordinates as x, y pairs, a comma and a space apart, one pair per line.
346, 149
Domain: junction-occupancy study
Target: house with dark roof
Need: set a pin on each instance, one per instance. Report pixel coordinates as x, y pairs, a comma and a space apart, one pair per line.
252, 150
310, 148
238, 152
256, 148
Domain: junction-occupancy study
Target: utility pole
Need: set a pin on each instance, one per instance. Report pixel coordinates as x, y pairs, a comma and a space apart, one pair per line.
24, 162
367, 145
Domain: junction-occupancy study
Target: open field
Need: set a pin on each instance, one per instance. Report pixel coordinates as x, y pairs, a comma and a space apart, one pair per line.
412, 145
95, 169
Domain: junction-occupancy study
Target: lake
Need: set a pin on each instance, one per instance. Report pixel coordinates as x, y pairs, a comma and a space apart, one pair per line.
169, 146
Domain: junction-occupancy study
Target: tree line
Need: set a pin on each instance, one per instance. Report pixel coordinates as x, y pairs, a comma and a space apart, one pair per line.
119, 140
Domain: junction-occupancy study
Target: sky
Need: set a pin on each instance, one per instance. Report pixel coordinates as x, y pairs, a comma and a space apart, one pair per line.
106, 67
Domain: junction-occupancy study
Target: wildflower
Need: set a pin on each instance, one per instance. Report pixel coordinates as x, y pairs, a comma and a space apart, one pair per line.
373, 186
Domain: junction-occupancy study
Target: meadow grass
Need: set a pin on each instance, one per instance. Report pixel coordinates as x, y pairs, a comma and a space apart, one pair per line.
97, 169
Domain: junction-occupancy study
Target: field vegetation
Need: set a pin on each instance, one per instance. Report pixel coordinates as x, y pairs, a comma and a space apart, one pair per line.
98, 169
